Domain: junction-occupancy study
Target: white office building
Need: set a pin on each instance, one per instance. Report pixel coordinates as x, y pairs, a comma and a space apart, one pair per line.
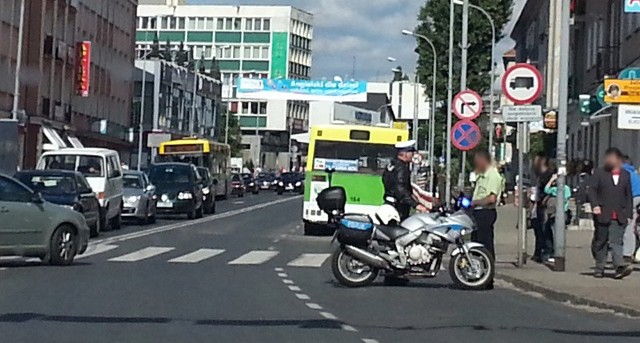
247, 41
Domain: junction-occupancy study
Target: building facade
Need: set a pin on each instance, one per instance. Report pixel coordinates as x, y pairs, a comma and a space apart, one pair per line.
247, 41
51, 111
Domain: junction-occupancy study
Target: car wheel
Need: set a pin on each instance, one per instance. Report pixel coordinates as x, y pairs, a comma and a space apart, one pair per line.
63, 247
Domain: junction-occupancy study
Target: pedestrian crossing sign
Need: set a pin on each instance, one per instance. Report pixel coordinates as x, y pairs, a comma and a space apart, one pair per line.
632, 6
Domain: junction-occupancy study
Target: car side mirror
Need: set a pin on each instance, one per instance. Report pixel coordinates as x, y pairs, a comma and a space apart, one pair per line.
36, 198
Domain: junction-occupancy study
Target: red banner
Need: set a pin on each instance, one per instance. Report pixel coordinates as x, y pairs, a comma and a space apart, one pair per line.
83, 65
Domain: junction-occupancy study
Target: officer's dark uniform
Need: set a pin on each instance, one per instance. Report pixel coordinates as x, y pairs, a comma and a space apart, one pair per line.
397, 187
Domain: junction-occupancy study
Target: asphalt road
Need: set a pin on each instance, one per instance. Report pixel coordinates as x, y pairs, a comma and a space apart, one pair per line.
247, 274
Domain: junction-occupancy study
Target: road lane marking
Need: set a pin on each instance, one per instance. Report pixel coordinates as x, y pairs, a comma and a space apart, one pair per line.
350, 328
160, 229
302, 296
294, 288
197, 256
141, 254
278, 269
369, 340
328, 315
283, 275
97, 249
309, 260
255, 257
33, 260
287, 282
314, 306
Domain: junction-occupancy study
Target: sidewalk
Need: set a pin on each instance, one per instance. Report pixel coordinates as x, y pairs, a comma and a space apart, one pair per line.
576, 284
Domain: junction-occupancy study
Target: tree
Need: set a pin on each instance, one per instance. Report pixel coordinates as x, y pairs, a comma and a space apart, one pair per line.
434, 24
235, 134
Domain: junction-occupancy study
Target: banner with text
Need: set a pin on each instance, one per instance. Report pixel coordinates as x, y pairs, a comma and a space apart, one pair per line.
302, 90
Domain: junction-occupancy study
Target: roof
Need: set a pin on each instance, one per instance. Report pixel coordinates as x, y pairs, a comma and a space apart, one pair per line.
164, 164
81, 151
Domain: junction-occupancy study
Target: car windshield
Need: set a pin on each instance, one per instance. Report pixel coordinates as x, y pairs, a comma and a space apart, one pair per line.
247, 176
89, 166
169, 174
132, 181
49, 184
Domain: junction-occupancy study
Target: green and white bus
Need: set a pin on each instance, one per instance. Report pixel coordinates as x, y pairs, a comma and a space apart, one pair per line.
359, 155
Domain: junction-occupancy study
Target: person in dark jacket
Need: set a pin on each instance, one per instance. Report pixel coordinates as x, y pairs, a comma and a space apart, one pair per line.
612, 202
397, 181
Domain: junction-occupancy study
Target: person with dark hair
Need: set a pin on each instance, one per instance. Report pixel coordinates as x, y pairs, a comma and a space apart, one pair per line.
629, 240
487, 191
612, 202
543, 174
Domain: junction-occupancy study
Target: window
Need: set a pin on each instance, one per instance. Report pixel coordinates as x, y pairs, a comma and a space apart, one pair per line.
49, 184
257, 24
132, 181
266, 24
228, 24
144, 22
181, 23
13, 192
235, 51
264, 52
191, 24
254, 108
209, 25
245, 108
200, 24
152, 23
248, 52
263, 108
356, 157
248, 24
237, 23
220, 25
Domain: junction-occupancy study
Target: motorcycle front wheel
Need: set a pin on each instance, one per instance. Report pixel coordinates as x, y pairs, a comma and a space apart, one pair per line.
351, 272
476, 274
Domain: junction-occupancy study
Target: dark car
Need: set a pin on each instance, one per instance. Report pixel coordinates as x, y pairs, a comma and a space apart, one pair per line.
178, 189
208, 190
250, 183
290, 182
266, 180
66, 188
237, 185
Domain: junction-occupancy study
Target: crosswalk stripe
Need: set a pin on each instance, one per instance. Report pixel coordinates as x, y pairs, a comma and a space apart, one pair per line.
255, 257
197, 256
141, 254
309, 260
97, 249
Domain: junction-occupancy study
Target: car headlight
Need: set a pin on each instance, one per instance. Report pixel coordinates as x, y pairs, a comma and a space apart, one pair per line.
206, 190
274, 182
132, 199
281, 183
185, 196
250, 184
298, 184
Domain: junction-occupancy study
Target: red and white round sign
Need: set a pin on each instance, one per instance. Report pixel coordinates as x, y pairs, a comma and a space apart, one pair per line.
467, 105
522, 84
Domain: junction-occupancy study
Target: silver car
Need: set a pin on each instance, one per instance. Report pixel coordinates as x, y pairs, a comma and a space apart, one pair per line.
139, 197
33, 227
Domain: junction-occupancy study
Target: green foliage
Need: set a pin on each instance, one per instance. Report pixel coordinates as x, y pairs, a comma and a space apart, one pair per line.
235, 134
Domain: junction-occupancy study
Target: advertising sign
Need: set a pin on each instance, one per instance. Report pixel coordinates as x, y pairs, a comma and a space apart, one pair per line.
622, 91
632, 6
302, 90
338, 165
83, 66
629, 117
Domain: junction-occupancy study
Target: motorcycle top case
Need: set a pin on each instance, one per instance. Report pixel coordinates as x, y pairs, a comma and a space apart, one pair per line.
355, 229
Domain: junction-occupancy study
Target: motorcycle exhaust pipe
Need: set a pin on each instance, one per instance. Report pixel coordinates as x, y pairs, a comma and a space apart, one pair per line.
367, 257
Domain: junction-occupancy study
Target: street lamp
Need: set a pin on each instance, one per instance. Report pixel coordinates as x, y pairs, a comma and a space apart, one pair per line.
493, 49
433, 102
16, 85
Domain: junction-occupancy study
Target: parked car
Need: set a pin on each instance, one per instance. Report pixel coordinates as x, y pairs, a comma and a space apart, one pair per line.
208, 190
178, 188
290, 182
67, 188
265, 180
237, 185
139, 197
103, 171
250, 183
33, 227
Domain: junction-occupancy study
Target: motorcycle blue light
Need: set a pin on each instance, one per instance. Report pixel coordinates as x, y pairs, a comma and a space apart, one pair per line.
465, 202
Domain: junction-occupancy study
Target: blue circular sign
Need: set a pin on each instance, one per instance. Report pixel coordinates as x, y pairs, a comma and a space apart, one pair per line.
465, 135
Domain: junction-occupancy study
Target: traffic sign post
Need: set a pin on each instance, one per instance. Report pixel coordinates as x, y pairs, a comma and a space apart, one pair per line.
465, 135
467, 105
522, 84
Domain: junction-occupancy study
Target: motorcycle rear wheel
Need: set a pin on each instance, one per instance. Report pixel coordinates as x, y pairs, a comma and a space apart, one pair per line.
459, 269
351, 272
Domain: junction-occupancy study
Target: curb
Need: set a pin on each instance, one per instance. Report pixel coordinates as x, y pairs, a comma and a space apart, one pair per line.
561, 296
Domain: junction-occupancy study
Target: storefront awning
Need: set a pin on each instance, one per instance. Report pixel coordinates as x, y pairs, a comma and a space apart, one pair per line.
301, 137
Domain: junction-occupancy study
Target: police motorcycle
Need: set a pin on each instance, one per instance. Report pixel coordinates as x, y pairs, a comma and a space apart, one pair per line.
414, 248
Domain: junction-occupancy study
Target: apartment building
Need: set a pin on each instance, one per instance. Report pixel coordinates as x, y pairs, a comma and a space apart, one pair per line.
247, 41
52, 113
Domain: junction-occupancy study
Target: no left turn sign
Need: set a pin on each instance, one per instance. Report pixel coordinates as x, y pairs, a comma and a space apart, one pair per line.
467, 105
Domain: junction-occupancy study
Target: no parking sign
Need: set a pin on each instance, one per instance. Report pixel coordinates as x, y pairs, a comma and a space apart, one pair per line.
465, 135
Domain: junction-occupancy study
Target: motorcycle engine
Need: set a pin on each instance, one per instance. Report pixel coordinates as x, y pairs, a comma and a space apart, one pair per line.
417, 254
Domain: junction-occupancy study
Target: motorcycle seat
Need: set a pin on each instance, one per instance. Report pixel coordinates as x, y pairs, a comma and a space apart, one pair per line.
392, 232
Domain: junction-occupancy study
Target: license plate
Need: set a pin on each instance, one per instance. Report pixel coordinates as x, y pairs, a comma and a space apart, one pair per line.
165, 205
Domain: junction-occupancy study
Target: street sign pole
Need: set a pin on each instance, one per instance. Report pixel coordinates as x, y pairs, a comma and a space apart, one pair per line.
521, 198
449, 103
561, 148
463, 77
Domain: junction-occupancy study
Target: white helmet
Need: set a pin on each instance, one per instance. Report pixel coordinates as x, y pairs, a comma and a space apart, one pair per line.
387, 214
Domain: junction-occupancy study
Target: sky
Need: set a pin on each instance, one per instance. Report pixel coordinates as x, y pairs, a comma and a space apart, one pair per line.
366, 32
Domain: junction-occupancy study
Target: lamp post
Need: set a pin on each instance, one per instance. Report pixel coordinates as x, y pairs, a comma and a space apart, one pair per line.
449, 104
493, 49
16, 85
433, 102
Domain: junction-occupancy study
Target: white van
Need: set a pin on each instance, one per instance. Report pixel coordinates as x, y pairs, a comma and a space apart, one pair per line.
103, 171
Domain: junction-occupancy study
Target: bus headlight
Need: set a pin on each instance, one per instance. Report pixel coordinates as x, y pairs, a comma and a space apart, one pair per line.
185, 196
205, 190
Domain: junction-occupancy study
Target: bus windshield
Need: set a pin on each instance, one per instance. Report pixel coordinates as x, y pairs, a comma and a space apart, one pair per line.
355, 157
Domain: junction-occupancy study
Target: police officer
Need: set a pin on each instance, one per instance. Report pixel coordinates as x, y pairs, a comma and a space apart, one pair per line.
397, 181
